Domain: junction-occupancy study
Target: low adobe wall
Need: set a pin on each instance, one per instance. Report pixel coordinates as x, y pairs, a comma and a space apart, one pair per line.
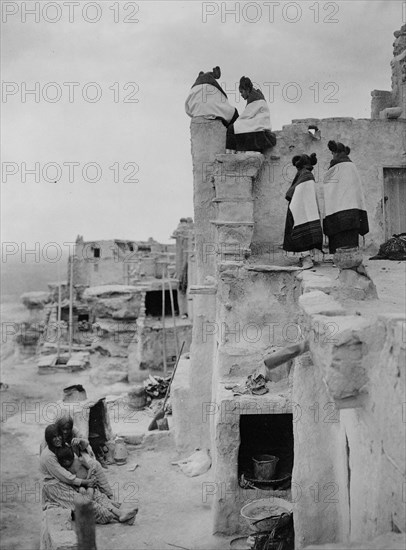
57, 532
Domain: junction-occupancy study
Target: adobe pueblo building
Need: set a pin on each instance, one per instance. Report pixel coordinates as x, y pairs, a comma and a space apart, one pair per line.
334, 415
127, 307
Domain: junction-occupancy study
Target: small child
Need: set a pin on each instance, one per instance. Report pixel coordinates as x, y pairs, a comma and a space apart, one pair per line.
68, 460
73, 464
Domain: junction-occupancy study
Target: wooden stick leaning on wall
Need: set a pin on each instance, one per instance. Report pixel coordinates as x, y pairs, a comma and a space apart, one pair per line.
59, 333
70, 305
163, 326
161, 413
175, 334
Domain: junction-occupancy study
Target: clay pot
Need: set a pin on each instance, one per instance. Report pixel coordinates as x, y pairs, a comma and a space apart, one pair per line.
137, 398
74, 393
348, 258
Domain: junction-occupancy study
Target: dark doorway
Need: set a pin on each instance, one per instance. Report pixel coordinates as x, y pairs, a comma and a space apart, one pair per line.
65, 314
153, 303
270, 434
394, 184
97, 428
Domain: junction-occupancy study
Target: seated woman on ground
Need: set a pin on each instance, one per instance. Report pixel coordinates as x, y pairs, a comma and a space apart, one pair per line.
252, 130
71, 437
49, 465
61, 486
208, 99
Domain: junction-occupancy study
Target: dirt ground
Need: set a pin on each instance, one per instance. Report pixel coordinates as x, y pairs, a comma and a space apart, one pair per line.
173, 512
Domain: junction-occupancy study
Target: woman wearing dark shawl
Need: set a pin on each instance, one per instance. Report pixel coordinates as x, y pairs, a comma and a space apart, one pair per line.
252, 129
303, 231
345, 215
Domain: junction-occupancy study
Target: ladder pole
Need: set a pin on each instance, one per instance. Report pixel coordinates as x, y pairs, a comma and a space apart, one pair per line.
175, 334
163, 328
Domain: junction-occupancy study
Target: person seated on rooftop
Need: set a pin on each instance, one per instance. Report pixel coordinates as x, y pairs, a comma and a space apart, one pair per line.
252, 130
207, 99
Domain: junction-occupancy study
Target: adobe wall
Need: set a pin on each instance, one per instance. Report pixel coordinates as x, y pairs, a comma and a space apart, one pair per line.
193, 388
145, 352
349, 459
374, 144
107, 269
117, 263
256, 313
57, 532
347, 481
184, 245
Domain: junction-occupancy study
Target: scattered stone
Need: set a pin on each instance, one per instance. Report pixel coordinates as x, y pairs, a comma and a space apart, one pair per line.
35, 300
357, 285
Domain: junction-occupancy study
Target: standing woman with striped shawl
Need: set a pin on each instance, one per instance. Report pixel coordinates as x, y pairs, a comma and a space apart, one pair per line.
303, 231
345, 215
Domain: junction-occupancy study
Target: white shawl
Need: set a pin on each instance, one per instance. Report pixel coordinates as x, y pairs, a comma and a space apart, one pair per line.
342, 189
255, 118
207, 101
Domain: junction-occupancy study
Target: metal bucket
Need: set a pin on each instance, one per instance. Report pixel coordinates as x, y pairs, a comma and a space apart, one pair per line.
120, 451
264, 466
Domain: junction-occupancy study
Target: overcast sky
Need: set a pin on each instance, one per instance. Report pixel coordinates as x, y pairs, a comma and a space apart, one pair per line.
322, 58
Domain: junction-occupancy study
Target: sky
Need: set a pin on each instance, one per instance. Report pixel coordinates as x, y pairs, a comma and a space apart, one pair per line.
105, 133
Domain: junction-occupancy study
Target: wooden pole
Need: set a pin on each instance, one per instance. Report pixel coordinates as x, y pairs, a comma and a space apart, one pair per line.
172, 376
59, 330
70, 306
173, 317
84, 523
161, 413
163, 327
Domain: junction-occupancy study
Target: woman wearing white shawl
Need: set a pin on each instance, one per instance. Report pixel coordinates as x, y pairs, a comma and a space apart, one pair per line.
345, 215
303, 226
252, 129
207, 99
